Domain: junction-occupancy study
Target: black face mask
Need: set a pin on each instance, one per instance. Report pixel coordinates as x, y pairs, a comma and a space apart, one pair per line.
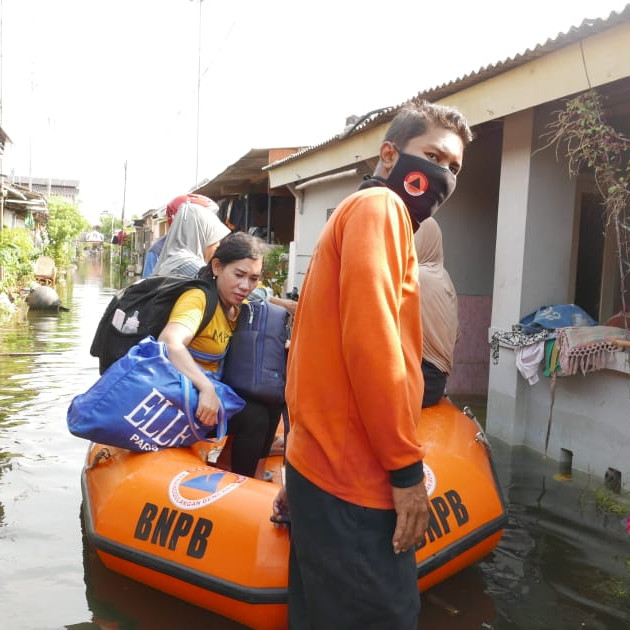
423, 185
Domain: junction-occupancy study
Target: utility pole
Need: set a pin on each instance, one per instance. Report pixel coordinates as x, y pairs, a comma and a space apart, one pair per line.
122, 220
198, 91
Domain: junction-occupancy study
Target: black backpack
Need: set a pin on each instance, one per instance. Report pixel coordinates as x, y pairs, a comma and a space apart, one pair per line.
142, 309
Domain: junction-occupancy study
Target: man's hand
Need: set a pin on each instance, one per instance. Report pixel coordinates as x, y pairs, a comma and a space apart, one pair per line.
412, 516
281, 507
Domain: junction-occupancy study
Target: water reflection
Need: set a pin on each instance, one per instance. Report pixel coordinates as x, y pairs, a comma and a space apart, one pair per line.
44, 363
563, 562
119, 602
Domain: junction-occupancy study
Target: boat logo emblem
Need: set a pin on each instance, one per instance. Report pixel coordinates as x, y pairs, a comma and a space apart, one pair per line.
193, 489
429, 479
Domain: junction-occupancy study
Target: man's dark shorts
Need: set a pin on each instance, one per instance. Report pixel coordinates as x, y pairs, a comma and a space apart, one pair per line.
343, 573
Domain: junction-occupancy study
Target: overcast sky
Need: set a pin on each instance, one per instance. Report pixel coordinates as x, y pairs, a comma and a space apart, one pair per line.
88, 86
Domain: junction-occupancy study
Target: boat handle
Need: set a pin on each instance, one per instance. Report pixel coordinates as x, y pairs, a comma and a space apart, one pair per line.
481, 436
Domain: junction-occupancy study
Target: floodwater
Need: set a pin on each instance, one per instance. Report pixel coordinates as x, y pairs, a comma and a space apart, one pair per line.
563, 562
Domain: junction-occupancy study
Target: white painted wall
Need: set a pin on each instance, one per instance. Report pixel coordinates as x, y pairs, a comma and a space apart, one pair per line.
310, 217
468, 219
551, 217
589, 417
533, 268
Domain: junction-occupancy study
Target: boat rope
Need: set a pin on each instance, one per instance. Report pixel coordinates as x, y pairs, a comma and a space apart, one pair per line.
103, 454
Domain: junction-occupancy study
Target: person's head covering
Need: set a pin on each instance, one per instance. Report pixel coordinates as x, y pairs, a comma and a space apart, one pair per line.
174, 205
440, 322
195, 227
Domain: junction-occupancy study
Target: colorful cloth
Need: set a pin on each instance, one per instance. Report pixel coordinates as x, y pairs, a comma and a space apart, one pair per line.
514, 338
586, 349
528, 359
556, 316
551, 358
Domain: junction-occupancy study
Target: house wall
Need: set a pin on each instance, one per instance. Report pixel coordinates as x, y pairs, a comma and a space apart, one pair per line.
532, 263
534, 266
312, 206
551, 223
11, 220
469, 218
589, 417
468, 221
521, 280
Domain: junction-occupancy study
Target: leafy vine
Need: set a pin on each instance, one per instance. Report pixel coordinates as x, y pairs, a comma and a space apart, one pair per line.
581, 132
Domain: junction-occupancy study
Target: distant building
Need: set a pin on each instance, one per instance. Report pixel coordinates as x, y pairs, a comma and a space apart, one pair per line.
66, 188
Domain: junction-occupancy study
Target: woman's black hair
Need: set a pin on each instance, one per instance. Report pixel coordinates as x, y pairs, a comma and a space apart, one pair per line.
235, 246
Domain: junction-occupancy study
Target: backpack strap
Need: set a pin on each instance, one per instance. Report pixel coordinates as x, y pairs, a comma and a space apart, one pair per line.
212, 299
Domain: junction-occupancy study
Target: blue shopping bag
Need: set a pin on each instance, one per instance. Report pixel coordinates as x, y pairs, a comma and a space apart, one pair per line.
144, 403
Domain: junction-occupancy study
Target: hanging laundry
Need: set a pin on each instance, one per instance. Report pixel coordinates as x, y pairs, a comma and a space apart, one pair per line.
528, 360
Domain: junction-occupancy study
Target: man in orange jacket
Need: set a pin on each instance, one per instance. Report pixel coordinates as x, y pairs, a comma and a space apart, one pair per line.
354, 477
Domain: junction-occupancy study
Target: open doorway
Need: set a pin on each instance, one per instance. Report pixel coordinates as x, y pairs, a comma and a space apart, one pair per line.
598, 276
590, 257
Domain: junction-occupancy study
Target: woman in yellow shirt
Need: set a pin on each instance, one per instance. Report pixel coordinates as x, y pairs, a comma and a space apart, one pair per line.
236, 267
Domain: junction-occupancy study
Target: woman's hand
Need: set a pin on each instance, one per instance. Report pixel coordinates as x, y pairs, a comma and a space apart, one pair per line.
177, 337
208, 406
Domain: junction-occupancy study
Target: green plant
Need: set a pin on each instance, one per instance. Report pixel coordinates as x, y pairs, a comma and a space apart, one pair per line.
608, 501
613, 589
108, 227
16, 257
276, 268
64, 224
580, 130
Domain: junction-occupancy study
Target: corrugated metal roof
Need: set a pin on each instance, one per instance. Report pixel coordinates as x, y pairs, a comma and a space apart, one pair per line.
246, 175
19, 199
587, 28
246, 172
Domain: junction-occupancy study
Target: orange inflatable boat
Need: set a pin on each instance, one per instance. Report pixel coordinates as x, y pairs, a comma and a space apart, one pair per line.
203, 534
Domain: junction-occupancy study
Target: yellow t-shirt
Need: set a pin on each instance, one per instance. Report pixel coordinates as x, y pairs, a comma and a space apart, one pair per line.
214, 338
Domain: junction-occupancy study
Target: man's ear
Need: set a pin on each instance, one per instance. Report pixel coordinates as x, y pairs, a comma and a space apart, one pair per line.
388, 155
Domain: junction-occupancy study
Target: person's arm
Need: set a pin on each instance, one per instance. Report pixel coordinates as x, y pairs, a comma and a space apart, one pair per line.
374, 286
379, 304
289, 305
177, 337
149, 263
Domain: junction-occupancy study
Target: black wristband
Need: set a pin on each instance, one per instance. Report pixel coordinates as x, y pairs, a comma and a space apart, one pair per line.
407, 476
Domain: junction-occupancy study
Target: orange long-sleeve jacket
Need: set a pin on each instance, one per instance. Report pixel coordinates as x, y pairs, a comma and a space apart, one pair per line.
354, 383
